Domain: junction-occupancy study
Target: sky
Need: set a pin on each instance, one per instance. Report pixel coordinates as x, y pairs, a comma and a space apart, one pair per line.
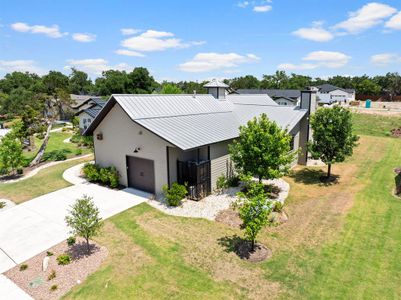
201, 39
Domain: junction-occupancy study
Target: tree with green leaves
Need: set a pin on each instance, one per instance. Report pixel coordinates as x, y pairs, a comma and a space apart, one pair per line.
333, 139
254, 208
262, 149
169, 88
10, 152
79, 82
84, 219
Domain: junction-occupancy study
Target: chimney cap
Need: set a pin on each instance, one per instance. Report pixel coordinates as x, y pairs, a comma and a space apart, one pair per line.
215, 83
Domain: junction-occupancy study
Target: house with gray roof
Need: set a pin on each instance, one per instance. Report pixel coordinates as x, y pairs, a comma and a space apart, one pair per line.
88, 111
155, 140
281, 97
328, 94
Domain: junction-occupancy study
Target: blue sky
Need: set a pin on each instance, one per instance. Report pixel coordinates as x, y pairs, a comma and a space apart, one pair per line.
196, 40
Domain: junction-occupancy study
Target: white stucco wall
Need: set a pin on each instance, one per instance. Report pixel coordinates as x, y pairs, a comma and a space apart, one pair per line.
337, 95
120, 137
84, 120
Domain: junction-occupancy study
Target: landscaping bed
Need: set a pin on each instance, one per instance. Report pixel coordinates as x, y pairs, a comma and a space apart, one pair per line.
57, 279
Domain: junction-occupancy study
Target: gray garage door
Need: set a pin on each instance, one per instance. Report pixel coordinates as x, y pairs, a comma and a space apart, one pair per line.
141, 174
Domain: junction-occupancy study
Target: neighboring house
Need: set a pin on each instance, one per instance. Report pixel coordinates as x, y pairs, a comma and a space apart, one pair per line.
328, 94
88, 112
281, 97
3, 132
155, 140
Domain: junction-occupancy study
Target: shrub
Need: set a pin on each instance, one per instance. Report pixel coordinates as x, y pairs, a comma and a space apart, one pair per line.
51, 276
78, 151
56, 155
233, 181
71, 240
63, 259
23, 267
221, 183
54, 287
278, 207
175, 194
107, 176
49, 253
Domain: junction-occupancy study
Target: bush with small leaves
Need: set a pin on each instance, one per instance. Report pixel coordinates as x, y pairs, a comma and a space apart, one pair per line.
278, 207
107, 176
52, 275
63, 259
23, 267
175, 194
221, 183
54, 287
49, 253
71, 240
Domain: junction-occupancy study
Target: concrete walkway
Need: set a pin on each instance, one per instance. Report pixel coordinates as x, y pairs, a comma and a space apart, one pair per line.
36, 225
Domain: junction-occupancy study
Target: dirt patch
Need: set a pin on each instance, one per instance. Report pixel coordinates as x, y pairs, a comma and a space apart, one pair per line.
229, 217
244, 250
39, 283
396, 132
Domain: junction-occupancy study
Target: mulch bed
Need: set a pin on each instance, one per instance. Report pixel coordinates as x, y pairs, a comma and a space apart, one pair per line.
35, 281
261, 252
396, 132
229, 217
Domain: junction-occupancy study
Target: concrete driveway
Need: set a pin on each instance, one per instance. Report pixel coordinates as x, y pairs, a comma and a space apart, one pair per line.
36, 225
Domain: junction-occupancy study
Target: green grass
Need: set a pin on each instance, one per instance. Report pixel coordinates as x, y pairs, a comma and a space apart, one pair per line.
46, 181
341, 241
56, 143
375, 125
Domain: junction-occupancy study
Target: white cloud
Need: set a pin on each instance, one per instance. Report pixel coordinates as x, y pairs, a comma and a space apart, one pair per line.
385, 59
50, 31
394, 22
315, 33
20, 65
366, 17
153, 40
95, 65
84, 37
129, 31
295, 67
204, 62
262, 8
328, 59
129, 53
243, 4
319, 59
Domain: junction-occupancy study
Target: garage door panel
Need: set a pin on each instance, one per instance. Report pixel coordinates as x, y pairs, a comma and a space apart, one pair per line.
141, 174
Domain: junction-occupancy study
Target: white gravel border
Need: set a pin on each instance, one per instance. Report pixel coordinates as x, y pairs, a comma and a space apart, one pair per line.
209, 207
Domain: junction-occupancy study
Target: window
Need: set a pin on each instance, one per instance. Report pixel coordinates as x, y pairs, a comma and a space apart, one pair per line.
292, 142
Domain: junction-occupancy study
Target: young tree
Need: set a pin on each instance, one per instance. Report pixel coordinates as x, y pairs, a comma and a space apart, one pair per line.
84, 220
262, 149
254, 209
10, 152
169, 88
333, 139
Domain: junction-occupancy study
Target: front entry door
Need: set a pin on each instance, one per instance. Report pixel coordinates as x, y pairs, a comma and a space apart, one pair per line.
141, 174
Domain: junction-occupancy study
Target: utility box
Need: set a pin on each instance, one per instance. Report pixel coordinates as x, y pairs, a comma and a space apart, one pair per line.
368, 103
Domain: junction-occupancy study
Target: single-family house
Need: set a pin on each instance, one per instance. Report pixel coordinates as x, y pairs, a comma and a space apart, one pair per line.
88, 112
155, 140
288, 97
328, 94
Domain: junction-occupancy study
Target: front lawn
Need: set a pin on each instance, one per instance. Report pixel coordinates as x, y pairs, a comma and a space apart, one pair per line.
341, 242
46, 181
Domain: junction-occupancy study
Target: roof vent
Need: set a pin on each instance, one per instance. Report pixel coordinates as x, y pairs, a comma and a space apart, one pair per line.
194, 95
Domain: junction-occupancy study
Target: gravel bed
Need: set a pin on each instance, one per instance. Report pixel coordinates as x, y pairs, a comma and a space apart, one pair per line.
34, 280
9, 204
210, 206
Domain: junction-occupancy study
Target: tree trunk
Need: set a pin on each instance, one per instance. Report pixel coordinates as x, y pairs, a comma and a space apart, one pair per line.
260, 178
328, 171
42, 149
87, 245
253, 245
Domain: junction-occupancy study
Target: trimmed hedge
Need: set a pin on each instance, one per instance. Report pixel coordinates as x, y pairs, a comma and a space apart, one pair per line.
108, 176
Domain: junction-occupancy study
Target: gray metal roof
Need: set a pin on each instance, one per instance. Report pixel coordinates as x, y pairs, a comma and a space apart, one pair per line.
93, 111
216, 83
188, 122
252, 99
327, 88
273, 93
